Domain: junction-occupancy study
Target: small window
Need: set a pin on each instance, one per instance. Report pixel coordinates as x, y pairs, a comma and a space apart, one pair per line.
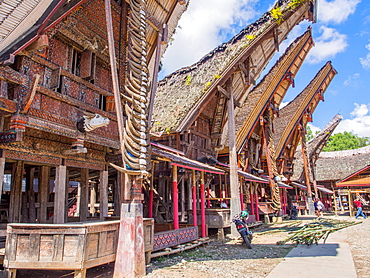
76, 62
103, 103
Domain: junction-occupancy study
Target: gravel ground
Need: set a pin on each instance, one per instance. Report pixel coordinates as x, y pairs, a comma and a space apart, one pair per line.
230, 258
358, 237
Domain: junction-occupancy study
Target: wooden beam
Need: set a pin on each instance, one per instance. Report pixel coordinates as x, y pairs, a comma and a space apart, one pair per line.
103, 203
60, 194
115, 81
31, 94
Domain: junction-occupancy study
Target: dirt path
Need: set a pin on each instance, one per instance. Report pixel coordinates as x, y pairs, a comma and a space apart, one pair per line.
230, 259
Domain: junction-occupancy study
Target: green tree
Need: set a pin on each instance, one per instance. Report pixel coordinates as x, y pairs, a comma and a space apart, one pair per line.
345, 141
309, 133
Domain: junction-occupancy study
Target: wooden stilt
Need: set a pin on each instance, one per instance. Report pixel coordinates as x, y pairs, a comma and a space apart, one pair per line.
194, 194
182, 200
252, 199
257, 209
16, 193
103, 202
44, 185
233, 160
175, 198
60, 195
202, 205
84, 194
2, 169
31, 198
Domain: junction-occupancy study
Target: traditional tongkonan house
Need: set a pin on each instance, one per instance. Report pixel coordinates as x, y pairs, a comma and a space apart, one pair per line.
61, 91
347, 174
314, 147
290, 126
193, 105
251, 137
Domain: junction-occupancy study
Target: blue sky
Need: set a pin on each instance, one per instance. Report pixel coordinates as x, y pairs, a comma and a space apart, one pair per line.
341, 35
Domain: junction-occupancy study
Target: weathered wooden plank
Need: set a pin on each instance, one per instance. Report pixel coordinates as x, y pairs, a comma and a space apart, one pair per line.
60, 194
34, 250
16, 191
102, 244
58, 246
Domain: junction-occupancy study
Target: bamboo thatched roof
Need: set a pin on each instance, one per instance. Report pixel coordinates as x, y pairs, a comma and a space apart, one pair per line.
301, 107
314, 147
335, 166
181, 95
271, 88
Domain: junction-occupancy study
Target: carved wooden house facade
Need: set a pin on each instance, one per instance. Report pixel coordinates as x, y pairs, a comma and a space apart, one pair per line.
194, 105
58, 117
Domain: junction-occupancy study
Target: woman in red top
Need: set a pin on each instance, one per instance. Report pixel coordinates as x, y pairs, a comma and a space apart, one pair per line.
358, 205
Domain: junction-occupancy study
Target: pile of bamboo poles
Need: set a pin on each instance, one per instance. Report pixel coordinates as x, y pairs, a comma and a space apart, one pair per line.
316, 230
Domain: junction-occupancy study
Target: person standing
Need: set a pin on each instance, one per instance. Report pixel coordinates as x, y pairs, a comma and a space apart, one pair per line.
358, 205
319, 207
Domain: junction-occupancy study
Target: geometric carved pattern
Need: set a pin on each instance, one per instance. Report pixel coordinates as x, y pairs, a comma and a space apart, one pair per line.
171, 238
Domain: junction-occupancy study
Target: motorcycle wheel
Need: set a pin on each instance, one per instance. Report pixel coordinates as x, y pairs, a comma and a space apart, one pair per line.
247, 242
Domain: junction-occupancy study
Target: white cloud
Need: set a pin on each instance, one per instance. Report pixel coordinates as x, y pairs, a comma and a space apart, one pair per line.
352, 80
360, 122
336, 11
329, 44
365, 62
204, 26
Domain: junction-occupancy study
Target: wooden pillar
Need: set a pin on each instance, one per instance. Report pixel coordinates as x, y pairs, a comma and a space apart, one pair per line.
31, 197
306, 173
202, 205
16, 193
194, 194
103, 192
350, 203
151, 193
257, 209
182, 200
175, 198
93, 191
117, 199
60, 194
2, 170
252, 199
44, 188
84, 194
233, 160
78, 200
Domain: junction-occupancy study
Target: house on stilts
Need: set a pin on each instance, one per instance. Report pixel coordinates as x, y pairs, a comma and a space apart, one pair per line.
290, 126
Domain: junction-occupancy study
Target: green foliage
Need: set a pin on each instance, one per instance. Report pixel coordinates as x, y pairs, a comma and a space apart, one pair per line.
345, 141
277, 14
309, 133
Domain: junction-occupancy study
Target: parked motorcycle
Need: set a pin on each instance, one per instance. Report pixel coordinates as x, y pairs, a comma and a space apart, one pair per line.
240, 223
